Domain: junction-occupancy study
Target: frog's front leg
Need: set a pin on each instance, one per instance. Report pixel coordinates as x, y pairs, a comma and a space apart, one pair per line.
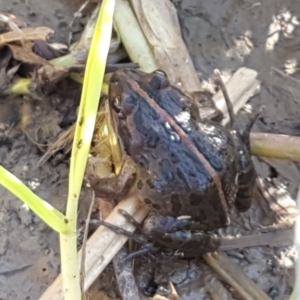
181, 235
115, 187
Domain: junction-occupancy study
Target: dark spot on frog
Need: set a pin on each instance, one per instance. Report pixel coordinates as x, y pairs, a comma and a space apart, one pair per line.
147, 201
150, 184
152, 139
175, 157
139, 185
194, 199
176, 205
176, 208
156, 206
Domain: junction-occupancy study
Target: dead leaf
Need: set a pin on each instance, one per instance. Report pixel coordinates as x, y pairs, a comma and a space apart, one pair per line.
39, 33
159, 22
12, 72
27, 56
42, 49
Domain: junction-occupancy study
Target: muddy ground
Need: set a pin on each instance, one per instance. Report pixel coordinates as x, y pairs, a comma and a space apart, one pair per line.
264, 36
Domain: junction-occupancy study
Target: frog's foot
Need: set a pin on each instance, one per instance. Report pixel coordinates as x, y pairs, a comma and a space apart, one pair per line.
170, 234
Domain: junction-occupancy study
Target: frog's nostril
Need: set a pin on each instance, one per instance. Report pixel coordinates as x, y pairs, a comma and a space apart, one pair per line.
117, 101
114, 80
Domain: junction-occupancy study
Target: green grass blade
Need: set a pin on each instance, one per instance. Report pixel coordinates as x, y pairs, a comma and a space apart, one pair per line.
90, 96
54, 218
91, 90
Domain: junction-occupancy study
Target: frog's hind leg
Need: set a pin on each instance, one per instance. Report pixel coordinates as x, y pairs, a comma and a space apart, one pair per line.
115, 187
147, 247
135, 236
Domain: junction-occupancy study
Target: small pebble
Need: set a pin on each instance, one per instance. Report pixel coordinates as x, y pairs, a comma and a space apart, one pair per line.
59, 15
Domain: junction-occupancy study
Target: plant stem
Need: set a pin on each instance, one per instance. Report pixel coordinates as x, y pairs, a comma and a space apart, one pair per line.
51, 216
91, 90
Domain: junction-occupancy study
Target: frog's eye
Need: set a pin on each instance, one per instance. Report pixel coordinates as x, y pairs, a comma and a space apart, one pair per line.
161, 73
159, 80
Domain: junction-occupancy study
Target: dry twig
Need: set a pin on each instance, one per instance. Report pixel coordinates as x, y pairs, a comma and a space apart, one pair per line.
123, 270
275, 146
234, 276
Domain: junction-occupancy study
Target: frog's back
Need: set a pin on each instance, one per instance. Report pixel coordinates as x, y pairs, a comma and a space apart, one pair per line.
181, 161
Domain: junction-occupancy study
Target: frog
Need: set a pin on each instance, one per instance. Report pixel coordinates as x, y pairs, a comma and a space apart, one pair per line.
186, 167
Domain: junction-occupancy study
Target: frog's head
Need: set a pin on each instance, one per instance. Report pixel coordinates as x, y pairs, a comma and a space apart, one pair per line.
132, 108
122, 82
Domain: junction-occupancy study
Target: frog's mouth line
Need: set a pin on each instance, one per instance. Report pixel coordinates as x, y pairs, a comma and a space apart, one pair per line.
167, 118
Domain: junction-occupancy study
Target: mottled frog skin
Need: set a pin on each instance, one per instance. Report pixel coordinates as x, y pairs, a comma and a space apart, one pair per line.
180, 162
